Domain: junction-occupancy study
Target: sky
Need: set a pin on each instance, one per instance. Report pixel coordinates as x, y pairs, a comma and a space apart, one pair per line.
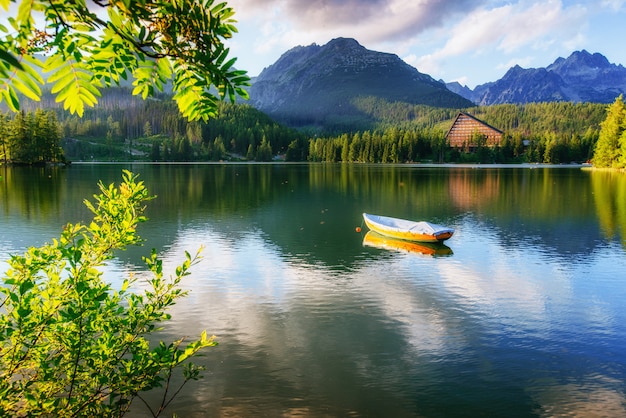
469, 41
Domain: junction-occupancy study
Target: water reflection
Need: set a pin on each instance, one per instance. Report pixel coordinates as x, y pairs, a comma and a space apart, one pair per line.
525, 318
372, 239
399, 336
609, 191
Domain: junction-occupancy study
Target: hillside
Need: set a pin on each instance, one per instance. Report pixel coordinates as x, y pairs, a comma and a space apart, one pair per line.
318, 85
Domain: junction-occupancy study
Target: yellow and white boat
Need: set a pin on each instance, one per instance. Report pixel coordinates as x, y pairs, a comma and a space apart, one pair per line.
421, 231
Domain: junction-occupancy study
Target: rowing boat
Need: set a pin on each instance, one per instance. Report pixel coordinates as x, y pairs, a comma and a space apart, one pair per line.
408, 230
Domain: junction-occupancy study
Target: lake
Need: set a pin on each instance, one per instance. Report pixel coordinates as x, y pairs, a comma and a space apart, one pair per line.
522, 313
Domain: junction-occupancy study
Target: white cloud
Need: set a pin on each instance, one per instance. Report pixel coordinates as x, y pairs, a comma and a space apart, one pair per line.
373, 21
615, 5
506, 30
511, 27
438, 37
428, 64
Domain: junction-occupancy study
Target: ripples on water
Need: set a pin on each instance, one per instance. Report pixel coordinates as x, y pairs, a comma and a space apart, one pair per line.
524, 318
486, 328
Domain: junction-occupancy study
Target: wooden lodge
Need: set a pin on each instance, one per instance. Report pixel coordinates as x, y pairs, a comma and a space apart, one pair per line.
466, 128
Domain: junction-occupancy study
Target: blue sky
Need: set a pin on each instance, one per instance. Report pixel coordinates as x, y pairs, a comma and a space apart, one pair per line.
470, 41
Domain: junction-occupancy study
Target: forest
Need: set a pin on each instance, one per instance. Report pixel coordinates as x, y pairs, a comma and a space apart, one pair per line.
30, 138
123, 127
555, 133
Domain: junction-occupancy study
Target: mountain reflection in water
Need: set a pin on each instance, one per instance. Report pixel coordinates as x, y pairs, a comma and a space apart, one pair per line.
523, 317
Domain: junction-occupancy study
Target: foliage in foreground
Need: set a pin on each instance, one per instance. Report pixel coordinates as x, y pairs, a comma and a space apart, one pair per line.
71, 344
150, 42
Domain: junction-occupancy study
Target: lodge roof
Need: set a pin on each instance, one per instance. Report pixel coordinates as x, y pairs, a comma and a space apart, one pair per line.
474, 118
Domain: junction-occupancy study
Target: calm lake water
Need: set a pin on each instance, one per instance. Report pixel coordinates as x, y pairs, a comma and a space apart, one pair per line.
521, 314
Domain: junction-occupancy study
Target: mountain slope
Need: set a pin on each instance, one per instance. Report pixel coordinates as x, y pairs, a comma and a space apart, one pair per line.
316, 85
582, 77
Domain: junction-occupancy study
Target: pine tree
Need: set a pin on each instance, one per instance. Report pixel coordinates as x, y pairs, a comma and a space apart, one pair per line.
607, 152
622, 144
147, 129
264, 152
155, 151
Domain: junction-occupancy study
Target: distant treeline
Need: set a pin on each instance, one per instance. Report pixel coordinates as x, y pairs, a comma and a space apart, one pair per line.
394, 145
30, 138
535, 132
155, 129
123, 126
527, 119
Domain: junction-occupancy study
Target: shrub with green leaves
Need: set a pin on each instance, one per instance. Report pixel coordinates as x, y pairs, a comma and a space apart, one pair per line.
71, 344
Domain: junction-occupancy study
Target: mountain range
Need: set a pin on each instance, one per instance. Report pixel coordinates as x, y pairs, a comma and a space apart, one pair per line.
325, 85
582, 77
319, 85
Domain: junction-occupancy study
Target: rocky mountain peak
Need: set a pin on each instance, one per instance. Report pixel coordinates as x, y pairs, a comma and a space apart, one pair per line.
581, 64
344, 44
580, 59
513, 72
317, 82
580, 77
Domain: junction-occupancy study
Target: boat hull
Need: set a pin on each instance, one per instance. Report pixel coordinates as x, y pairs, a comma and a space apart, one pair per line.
407, 230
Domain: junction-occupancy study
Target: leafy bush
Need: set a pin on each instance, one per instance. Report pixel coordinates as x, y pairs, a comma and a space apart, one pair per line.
71, 344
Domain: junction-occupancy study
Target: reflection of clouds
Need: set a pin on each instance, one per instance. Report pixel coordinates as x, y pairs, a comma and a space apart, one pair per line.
259, 285
594, 396
524, 284
293, 319
485, 285
244, 285
423, 324
391, 322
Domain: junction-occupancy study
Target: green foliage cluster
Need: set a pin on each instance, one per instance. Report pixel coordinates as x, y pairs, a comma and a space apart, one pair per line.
70, 344
30, 138
610, 150
244, 129
150, 42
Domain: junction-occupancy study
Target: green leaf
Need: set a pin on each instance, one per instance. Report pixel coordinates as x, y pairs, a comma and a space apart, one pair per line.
229, 64
73, 83
59, 66
77, 256
27, 86
30, 69
24, 13
24, 311
10, 59
9, 95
